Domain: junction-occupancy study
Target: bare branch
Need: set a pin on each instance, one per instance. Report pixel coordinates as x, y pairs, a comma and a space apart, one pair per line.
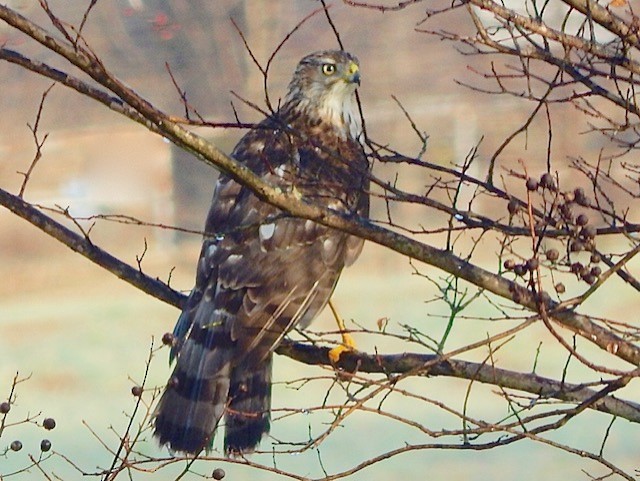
82, 245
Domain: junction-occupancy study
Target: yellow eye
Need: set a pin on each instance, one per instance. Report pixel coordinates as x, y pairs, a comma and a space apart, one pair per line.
328, 68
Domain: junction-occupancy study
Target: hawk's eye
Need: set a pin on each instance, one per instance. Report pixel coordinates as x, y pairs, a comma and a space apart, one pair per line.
328, 68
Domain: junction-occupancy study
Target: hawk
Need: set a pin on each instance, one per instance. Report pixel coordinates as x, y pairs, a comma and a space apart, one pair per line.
263, 272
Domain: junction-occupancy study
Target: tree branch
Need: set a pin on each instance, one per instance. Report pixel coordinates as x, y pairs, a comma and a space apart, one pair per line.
83, 245
605, 18
435, 365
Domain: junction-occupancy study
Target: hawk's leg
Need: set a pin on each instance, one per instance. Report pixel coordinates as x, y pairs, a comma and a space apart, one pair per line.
348, 344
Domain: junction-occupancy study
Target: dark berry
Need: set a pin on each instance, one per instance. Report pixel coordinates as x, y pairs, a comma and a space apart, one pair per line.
532, 184
596, 271
5, 407
565, 212
218, 473
580, 196
16, 446
45, 445
167, 339
577, 268
547, 181
576, 246
532, 264
560, 288
136, 391
595, 258
582, 219
552, 255
589, 278
513, 206
509, 264
49, 424
520, 269
588, 232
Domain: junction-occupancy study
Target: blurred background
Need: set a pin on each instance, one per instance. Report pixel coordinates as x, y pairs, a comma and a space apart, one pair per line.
82, 337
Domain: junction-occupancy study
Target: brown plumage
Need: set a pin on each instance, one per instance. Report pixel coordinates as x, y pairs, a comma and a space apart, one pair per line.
261, 271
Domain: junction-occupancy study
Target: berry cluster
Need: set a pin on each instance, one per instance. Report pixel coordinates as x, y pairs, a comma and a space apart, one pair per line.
580, 238
47, 423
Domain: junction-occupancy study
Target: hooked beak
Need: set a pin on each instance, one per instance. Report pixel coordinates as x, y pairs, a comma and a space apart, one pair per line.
353, 74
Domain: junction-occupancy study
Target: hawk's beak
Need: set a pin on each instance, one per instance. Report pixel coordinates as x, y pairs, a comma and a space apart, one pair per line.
353, 74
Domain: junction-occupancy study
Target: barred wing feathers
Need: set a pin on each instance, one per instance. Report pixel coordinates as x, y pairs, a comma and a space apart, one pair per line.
260, 273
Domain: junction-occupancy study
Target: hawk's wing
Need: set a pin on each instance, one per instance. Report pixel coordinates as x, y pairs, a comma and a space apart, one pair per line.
260, 273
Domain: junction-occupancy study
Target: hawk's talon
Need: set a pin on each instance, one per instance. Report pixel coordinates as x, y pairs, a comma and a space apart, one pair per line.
348, 344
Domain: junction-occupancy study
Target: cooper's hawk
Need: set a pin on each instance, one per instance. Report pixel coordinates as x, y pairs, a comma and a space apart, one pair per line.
261, 271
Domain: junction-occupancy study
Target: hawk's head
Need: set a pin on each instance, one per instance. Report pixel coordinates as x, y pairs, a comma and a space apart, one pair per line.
323, 88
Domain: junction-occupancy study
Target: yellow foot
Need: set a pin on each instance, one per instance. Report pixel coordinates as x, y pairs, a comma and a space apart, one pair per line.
347, 345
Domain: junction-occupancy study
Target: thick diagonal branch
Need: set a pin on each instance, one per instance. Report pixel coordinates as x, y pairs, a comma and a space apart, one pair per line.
82, 245
422, 364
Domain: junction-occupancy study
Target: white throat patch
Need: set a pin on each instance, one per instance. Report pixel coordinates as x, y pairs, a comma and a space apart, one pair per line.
339, 108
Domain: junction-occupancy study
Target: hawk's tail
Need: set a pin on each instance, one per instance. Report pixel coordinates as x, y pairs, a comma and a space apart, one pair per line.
248, 413
195, 398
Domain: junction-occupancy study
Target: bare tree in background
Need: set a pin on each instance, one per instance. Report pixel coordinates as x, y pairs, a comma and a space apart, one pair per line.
563, 233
